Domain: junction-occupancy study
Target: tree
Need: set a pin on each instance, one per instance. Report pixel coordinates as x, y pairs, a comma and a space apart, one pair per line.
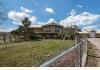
62, 35
23, 31
77, 28
20, 30
68, 34
15, 34
26, 23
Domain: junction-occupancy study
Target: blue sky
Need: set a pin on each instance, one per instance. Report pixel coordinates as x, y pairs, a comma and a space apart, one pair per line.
84, 13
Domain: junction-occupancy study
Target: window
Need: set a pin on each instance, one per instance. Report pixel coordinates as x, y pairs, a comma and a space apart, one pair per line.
47, 29
57, 29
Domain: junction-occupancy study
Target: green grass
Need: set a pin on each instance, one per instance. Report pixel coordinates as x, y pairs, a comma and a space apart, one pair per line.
31, 53
91, 61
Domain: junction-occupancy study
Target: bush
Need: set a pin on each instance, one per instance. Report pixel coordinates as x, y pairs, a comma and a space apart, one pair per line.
35, 36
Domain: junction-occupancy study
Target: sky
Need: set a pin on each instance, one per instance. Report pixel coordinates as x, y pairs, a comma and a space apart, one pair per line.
83, 13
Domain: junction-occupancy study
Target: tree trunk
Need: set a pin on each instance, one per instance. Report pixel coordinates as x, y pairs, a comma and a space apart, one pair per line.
4, 38
10, 38
26, 34
64, 37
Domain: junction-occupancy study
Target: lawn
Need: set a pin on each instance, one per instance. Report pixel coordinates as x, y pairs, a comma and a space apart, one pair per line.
91, 60
31, 53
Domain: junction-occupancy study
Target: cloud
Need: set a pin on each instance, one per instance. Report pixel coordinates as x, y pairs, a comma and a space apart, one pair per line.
33, 19
73, 12
83, 19
26, 10
51, 20
16, 23
41, 23
79, 6
47, 22
89, 28
17, 17
7, 29
49, 10
10, 29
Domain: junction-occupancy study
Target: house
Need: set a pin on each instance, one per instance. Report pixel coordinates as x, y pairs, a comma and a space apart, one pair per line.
51, 29
91, 34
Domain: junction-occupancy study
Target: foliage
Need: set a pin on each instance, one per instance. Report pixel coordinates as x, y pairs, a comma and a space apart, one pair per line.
77, 28
26, 23
34, 36
14, 32
67, 35
23, 30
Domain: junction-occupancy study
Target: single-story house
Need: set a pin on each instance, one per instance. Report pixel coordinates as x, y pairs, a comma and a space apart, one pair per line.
91, 34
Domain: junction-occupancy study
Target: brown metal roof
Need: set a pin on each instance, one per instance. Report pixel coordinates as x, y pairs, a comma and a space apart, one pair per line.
52, 24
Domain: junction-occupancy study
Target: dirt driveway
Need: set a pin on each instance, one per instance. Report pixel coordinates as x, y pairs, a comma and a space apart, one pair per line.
96, 43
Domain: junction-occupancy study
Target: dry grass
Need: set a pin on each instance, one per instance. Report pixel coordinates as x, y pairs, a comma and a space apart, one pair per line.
91, 61
32, 53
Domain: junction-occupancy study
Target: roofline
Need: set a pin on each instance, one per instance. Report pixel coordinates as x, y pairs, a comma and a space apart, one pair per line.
52, 25
35, 27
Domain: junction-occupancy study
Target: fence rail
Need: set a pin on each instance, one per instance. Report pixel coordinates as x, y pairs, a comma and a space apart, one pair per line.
74, 57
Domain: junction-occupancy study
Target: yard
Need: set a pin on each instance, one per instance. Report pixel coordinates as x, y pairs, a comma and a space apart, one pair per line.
31, 53
91, 59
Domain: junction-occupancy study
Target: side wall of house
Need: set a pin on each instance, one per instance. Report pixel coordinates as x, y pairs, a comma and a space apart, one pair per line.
37, 30
88, 35
97, 35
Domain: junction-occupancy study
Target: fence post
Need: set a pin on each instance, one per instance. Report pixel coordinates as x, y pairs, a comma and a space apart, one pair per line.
10, 38
76, 57
4, 37
84, 53
81, 53
77, 39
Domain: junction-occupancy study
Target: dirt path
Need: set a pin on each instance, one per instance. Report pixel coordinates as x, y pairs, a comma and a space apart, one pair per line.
96, 43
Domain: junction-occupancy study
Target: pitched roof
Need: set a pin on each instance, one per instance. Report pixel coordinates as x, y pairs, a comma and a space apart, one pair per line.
35, 26
53, 23
92, 31
84, 32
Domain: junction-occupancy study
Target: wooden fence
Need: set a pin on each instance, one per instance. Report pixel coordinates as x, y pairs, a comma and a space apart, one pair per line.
7, 37
73, 57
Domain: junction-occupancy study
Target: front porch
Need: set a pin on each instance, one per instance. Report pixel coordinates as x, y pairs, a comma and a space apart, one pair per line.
49, 35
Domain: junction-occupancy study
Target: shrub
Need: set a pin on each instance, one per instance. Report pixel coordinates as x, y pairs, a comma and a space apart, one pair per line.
35, 36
